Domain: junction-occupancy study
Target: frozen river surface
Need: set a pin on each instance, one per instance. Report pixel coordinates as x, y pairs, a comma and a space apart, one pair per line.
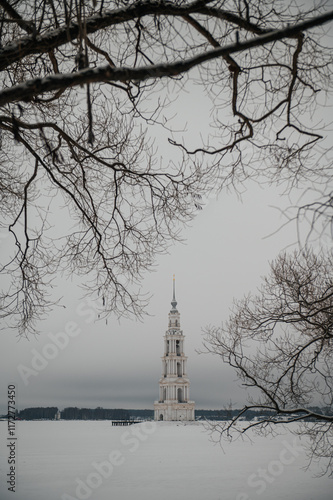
79, 460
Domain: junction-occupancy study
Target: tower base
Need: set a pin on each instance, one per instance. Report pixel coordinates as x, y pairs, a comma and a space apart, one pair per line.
174, 411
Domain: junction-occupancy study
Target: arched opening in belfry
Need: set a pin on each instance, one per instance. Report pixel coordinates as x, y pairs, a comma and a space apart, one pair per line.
180, 395
179, 370
177, 348
161, 417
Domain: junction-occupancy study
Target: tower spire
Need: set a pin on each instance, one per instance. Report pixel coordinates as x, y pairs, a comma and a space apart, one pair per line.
174, 302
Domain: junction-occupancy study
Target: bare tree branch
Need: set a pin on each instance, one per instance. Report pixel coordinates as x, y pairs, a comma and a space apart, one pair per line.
78, 136
110, 74
54, 39
28, 26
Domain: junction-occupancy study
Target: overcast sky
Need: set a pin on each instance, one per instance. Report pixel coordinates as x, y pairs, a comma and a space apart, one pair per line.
115, 365
119, 364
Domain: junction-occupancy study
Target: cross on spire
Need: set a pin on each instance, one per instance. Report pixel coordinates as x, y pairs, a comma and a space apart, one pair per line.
174, 302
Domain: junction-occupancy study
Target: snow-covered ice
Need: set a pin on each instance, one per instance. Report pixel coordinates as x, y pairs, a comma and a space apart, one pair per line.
68, 460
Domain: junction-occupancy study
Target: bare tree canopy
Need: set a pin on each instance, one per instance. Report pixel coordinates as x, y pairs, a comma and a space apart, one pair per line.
280, 344
83, 81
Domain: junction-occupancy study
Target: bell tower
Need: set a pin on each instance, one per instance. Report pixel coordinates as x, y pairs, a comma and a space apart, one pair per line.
174, 403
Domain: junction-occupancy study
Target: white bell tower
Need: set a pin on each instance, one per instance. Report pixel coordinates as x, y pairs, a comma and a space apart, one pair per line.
174, 403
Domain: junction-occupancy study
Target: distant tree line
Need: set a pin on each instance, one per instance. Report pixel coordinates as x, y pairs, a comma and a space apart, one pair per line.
73, 413
248, 415
94, 414
48, 413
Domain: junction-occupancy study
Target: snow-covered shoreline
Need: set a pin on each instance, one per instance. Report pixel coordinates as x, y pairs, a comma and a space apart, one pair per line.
66, 460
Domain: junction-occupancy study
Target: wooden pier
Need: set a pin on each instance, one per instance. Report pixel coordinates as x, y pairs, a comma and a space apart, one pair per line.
125, 422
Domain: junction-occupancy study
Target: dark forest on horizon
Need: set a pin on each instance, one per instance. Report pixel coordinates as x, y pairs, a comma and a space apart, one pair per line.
74, 413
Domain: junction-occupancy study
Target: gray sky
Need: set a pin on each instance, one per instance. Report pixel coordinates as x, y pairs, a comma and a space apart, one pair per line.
119, 364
